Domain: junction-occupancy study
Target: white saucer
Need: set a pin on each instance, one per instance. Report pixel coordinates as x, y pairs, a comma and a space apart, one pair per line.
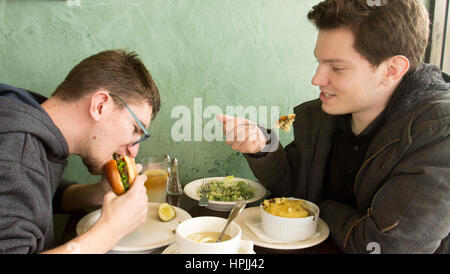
173, 249
252, 214
151, 235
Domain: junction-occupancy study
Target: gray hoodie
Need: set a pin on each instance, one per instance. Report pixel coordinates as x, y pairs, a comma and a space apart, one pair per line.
32, 160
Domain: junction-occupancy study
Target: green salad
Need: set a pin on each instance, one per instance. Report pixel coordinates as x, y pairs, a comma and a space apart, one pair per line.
229, 190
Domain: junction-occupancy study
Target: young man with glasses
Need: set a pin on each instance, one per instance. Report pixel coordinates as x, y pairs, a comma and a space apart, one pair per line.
104, 106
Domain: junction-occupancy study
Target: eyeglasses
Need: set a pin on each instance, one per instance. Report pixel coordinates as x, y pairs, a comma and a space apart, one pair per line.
146, 133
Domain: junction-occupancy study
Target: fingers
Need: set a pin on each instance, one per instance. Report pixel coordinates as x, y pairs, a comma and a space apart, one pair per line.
135, 201
139, 168
241, 134
140, 194
224, 118
247, 139
247, 132
221, 118
109, 196
138, 184
240, 131
244, 133
105, 184
230, 122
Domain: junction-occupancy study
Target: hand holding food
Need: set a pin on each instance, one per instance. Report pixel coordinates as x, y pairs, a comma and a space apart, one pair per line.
242, 135
125, 213
121, 172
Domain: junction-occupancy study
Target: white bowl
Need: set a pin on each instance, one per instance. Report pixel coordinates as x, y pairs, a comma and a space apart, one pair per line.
192, 188
290, 229
234, 245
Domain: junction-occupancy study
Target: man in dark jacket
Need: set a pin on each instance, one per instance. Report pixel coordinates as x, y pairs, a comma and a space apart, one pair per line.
374, 150
83, 117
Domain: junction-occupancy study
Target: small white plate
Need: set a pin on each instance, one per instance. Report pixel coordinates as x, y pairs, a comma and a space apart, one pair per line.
252, 214
192, 188
154, 233
173, 249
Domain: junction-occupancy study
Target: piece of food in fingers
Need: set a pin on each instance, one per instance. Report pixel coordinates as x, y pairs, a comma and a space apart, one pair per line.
121, 172
285, 122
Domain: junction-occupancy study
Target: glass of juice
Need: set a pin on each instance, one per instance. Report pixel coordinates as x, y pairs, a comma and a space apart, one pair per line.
157, 169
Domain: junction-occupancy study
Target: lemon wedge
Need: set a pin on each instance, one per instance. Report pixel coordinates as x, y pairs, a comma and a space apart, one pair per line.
166, 212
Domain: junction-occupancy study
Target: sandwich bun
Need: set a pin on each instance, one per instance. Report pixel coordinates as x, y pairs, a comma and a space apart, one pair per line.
114, 177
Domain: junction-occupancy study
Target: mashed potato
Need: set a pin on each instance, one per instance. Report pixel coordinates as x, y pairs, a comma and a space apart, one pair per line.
287, 208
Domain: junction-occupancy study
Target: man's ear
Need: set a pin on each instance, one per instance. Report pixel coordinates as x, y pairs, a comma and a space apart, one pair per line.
395, 68
98, 103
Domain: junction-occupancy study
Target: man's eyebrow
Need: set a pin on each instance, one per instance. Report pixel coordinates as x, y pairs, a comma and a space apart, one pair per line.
335, 60
332, 60
137, 125
145, 126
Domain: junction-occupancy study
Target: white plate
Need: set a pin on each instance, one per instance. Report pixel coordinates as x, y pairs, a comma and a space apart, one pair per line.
173, 249
252, 214
191, 190
152, 234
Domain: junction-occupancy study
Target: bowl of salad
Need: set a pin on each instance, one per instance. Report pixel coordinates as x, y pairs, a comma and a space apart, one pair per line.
226, 191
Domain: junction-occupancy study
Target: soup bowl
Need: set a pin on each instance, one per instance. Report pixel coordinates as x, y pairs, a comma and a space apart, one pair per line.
199, 225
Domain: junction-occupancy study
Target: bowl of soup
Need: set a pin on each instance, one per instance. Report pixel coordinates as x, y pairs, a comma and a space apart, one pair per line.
199, 236
289, 219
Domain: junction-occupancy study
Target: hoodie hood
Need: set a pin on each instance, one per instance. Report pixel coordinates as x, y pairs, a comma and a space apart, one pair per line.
20, 111
417, 87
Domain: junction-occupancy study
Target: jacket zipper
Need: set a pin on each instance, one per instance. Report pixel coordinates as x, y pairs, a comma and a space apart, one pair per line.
369, 210
370, 159
383, 230
355, 223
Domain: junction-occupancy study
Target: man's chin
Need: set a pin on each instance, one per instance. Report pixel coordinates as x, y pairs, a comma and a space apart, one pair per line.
333, 111
93, 166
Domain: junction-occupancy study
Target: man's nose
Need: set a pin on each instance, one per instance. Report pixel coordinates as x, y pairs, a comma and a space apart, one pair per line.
320, 78
132, 150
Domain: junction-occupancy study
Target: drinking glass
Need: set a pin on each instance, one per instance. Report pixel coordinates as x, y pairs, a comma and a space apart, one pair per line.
157, 169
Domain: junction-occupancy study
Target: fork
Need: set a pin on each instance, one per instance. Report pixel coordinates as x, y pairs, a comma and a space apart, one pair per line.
204, 191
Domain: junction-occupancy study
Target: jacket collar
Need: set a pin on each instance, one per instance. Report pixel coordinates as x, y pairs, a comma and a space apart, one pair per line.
416, 88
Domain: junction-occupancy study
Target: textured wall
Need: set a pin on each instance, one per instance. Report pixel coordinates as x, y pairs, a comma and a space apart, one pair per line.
226, 52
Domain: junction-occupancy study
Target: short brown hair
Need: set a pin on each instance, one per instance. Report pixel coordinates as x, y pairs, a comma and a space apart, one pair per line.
395, 27
120, 72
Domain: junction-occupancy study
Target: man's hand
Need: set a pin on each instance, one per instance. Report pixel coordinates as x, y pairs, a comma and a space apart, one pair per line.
125, 213
242, 135
120, 216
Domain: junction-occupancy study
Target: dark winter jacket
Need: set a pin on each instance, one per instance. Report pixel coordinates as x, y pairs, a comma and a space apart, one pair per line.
402, 188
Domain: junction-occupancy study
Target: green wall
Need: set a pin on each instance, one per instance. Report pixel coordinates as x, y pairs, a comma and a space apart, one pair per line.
227, 52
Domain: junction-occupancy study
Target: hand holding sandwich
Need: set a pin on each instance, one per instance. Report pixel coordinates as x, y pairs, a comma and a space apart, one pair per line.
127, 212
124, 208
120, 215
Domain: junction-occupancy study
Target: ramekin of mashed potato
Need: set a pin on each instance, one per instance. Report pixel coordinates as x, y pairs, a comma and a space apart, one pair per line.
289, 219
